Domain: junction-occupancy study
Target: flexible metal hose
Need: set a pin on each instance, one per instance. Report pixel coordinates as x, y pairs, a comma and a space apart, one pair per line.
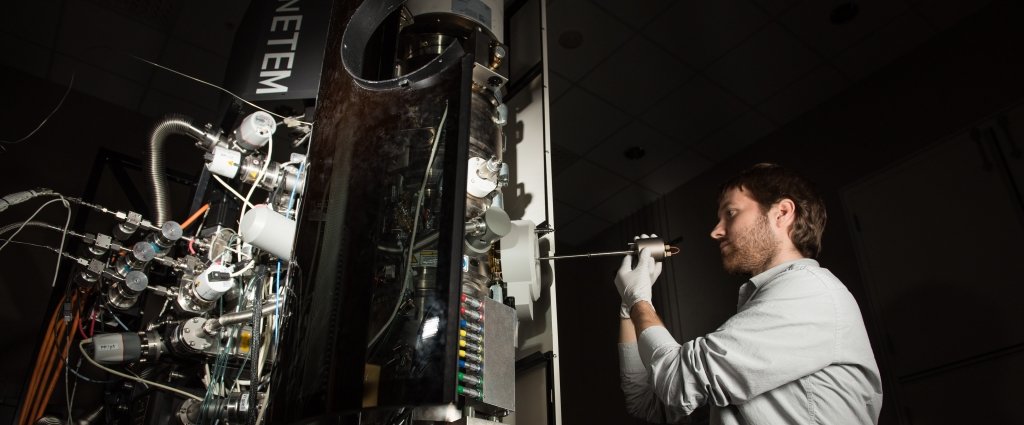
168, 126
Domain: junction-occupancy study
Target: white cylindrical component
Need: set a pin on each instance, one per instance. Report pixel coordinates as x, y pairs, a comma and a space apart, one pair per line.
225, 162
520, 268
476, 185
488, 13
269, 231
255, 130
214, 282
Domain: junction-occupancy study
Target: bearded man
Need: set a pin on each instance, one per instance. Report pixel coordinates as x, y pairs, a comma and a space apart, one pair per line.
795, 352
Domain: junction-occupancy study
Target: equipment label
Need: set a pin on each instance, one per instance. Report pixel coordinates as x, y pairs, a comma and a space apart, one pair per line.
425, 258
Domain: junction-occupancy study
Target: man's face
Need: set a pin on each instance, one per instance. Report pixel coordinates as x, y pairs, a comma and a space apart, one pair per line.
744, 235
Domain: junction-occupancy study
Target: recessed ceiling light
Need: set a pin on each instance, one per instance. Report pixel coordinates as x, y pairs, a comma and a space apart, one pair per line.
844, 13
634, 153
571, 39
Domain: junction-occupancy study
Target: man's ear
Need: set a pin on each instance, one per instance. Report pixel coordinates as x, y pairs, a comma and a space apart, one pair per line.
785, 213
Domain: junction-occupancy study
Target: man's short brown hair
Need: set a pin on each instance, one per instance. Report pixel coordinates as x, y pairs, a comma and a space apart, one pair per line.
770, 183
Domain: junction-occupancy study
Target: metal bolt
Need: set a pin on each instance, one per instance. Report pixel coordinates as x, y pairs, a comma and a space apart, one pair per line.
187, 330
192, 343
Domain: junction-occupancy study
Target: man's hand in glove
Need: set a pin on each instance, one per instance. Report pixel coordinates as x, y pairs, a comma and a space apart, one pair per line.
634, 284
654, 270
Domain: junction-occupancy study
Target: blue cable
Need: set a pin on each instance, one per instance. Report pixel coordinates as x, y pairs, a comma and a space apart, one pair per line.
291, 197
277, 304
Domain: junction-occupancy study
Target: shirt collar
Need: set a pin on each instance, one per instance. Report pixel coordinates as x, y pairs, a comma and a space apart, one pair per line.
769, 275
751, 286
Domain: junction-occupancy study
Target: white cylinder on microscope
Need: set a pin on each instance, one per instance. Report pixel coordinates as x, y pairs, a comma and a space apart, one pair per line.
269, 231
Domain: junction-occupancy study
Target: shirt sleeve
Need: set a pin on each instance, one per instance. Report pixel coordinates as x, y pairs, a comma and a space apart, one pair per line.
640, 399
779, 336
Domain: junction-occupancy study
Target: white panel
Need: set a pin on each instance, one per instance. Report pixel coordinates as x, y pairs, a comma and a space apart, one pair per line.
532, 168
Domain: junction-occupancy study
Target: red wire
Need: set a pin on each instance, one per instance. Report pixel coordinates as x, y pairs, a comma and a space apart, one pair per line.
92, 326
190, 250
82, 330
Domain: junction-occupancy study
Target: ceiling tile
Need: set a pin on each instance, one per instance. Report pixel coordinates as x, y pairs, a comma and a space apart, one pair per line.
210, 25
581, 230
693, 111
585, 185
579, 121
638, 57
699, 32
676, 171
107, 40
886, 45
635, 13
747, 129
97, 82
777, 7
561, 159
624, 203
565, 213
557, 86
943, 14
811, 22
817, 86
764, 64
32, 58
187, 59
34, 21
601, 34
610, 154
157, 103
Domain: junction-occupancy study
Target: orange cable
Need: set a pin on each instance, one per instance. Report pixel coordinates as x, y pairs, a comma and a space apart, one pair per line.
195, 215
45, 400
37, 371
55, 374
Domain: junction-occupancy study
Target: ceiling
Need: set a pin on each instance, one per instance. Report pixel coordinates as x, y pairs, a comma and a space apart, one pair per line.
681, 85
693, 82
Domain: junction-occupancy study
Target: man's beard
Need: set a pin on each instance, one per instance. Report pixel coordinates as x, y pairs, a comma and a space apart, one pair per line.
752, 251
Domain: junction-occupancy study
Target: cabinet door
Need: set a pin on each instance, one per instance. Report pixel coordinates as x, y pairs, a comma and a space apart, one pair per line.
978, 393
940, 245
1009, 130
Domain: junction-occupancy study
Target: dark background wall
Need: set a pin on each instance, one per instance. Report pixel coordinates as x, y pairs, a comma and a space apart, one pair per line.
958, 80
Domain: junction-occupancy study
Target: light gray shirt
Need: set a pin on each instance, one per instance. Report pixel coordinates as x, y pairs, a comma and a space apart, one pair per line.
796, 352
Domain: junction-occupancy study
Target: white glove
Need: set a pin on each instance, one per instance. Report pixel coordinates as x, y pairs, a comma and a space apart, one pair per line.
635, 285
655, 271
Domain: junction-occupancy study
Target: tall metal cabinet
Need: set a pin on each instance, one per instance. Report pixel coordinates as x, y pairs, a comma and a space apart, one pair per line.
939, 243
